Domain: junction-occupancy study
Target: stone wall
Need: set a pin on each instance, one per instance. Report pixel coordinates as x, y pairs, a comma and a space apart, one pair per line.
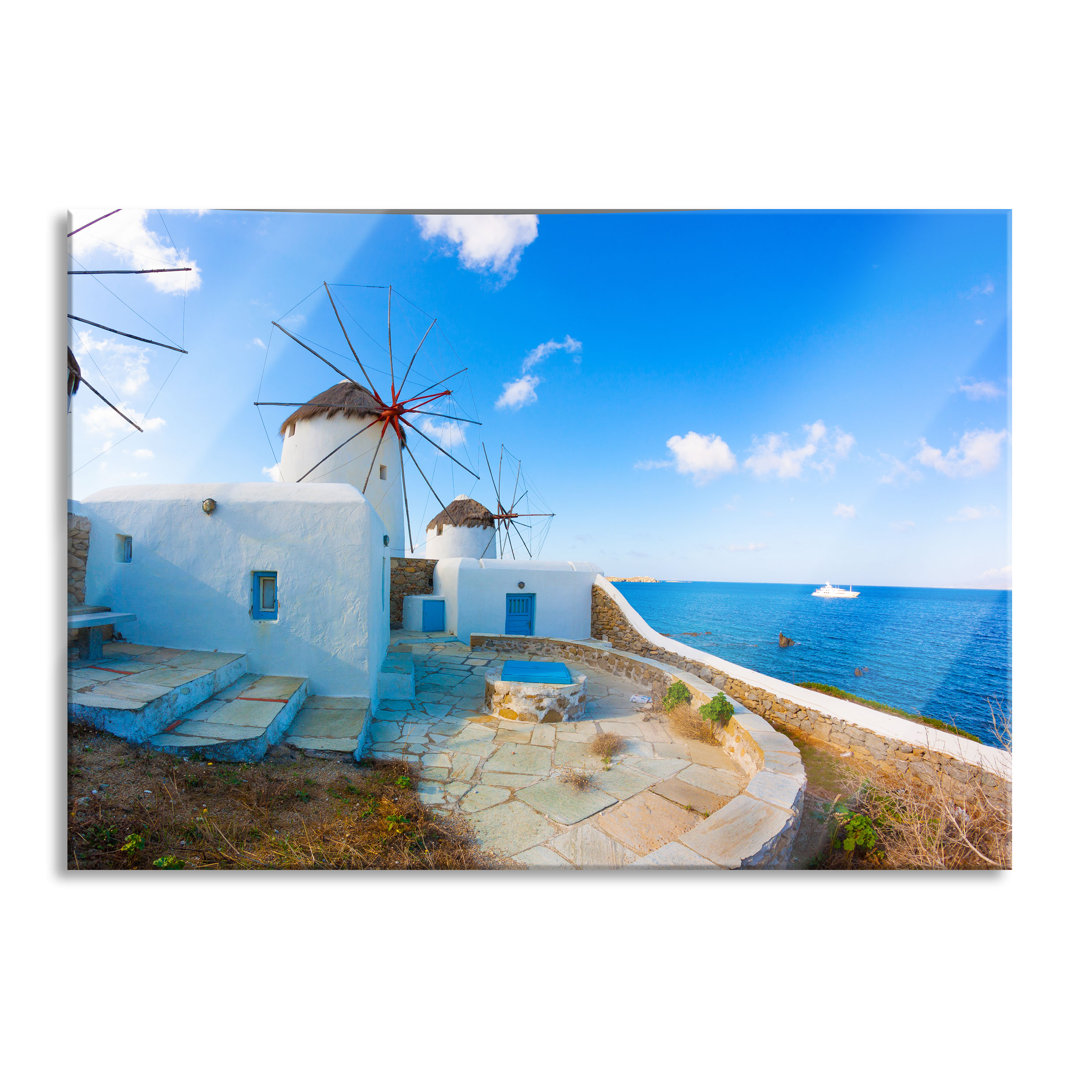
408, 577
865, 746
78, 547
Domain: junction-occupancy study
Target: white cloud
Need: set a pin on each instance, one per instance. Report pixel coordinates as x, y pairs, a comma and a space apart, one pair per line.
898, 471
258, 343
843, 444
974, 513
272, 472
844, 510
484, 241
127, 236
522, 391
980, 322
518, 393
978, 391
142, 453
1002, 577
774, 454
701, 456
985, 289
448, 433
653, 464
978, 452
753, 546
101, 420
902, 526
124, 366
541, 351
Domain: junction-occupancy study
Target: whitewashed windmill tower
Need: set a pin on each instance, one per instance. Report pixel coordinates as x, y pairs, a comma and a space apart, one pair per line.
341, 419
465, 529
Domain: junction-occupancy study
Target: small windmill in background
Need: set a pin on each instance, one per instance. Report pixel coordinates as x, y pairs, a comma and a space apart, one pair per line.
507, 516
356, 433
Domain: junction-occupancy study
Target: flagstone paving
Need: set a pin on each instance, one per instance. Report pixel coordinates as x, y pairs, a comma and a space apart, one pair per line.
512, 780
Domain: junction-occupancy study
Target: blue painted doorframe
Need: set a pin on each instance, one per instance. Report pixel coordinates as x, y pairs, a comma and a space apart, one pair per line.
519, 613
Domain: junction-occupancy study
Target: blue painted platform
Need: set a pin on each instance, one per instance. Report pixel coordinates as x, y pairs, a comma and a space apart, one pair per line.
535, 671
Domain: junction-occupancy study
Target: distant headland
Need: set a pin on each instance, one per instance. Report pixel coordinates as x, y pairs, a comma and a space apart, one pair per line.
655, 581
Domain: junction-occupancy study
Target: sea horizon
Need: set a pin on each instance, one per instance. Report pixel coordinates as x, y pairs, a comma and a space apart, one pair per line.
937, 651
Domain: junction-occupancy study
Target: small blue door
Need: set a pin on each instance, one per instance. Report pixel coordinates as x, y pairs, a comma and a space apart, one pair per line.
433, 615
519, 613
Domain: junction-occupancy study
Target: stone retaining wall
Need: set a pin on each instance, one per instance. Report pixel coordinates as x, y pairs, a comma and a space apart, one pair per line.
78, 546
408, 577
757, 828
902, 754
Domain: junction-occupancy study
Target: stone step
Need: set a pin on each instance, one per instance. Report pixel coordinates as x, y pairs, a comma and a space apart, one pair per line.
327, 725
397, 677
241, 722
136, 691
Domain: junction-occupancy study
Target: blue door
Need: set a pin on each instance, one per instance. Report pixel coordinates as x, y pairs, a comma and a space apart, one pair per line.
519, 613
433, 615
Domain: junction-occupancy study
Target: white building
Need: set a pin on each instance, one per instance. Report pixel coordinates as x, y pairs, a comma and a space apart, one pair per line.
516, 596
297, 576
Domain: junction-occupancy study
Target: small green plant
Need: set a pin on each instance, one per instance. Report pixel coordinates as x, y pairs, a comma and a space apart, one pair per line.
678, 693
169, 862
856, 832
102, 837
133, 842
403, 782
718, 711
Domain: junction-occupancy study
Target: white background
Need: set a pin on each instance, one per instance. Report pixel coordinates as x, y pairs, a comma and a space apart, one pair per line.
473, 106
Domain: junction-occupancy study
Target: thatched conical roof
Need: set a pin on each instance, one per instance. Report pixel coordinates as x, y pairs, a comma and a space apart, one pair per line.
346, 398
463, 512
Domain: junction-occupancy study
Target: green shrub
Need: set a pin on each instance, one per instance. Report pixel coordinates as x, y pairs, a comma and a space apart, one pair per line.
678, 693
718, 711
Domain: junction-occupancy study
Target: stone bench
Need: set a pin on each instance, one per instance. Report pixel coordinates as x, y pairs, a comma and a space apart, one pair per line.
90, 626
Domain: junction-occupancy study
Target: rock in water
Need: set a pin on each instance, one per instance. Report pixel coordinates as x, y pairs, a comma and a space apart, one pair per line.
858, 671
785, 641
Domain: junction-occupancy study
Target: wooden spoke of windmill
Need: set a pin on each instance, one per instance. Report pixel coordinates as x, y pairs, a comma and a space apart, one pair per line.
506, 515
75, 375
392, 414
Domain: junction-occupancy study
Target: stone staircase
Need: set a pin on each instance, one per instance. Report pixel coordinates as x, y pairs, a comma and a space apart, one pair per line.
185, 701
238, 723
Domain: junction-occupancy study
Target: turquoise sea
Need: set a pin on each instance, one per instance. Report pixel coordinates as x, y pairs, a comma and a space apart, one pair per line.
944, 653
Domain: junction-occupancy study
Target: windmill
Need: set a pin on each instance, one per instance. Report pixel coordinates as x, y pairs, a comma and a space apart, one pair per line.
507, 516
76, 378
360, 433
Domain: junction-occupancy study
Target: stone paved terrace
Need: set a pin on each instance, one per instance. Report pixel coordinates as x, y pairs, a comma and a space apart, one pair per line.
507, 775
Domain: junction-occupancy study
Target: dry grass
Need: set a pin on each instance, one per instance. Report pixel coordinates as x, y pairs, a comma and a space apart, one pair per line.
132, 808
578, 779
930, 822
606, 745
685, 722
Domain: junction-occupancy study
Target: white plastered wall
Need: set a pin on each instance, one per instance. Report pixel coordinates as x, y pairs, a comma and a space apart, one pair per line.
476, 589
316, 437
190, 576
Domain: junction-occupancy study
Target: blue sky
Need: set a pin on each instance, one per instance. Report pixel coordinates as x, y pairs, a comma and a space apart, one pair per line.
740, 396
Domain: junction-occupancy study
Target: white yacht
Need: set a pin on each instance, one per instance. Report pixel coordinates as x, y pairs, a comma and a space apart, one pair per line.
833, 591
